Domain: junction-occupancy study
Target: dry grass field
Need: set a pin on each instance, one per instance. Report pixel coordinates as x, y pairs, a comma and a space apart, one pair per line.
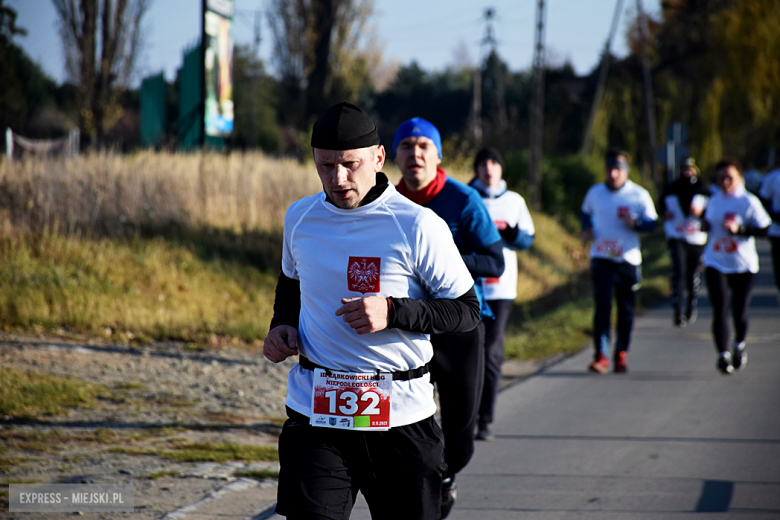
105, 194
154, 246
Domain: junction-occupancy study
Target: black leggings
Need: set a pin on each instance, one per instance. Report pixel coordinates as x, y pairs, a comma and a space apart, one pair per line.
685, 275
458, 368
494, 357
775, 241
719, 285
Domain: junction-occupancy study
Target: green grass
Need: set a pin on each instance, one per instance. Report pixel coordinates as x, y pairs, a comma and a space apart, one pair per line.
257, 474
139, 289
562, 331
56, 440
28, 394
560, 320
4, 490
161, 474
215, 288
130, 385
6, 463
207, 452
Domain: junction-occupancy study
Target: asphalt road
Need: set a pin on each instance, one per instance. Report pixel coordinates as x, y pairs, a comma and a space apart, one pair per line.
671, 438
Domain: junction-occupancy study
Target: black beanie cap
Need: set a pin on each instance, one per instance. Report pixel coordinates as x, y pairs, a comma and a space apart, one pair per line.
344, 127
488, 153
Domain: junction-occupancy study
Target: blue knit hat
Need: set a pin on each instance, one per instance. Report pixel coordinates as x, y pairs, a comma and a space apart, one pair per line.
415, 127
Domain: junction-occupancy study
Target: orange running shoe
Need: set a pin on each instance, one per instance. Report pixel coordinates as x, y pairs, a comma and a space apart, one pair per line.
600, 365
620, 363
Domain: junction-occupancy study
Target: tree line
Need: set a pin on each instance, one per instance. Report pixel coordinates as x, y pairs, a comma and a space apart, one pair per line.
715, 66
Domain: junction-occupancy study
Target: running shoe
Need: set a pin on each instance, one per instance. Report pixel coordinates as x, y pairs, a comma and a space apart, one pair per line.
691, 316
740, 356
449, 492
679, 321
484, 433
621, 367
724, 363
600, 364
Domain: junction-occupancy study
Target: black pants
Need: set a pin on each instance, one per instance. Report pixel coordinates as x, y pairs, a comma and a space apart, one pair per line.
494, 357
775, 241
624, 278
719, 285
458, 368
399, 471
685, 276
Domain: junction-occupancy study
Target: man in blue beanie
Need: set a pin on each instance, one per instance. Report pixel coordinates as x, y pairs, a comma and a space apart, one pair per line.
458, 363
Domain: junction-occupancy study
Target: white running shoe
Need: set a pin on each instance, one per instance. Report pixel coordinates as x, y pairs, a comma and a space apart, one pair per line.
740, 356
724, 363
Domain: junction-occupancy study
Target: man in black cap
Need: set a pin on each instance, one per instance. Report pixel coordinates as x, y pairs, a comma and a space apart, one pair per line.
366, 276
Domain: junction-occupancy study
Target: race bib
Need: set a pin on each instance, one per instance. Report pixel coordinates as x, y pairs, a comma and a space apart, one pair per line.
351, 401
689, 227
725, 245
611, 248
623, 211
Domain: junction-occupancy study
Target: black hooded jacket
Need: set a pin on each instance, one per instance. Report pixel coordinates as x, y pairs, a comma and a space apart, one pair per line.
684, 188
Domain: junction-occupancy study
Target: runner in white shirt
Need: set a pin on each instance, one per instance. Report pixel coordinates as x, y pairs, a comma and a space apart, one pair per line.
682, 205
513, 221
733, 218
770, 196
613, 215
366, 276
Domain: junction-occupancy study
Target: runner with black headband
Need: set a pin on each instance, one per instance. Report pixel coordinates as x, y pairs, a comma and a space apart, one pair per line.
366, 275
613, 214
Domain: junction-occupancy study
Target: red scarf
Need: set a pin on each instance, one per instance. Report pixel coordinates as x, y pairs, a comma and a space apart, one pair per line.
428, 193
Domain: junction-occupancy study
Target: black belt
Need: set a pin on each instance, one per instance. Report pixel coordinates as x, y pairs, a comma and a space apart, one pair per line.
405, 375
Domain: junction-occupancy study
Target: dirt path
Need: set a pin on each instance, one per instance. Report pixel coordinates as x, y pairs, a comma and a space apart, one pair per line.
163, 398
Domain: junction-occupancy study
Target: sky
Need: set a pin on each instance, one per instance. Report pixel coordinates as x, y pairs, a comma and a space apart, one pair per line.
431, 32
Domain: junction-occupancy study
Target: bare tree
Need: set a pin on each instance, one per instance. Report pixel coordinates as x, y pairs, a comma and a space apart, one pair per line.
8, 27
101, 40
317, 47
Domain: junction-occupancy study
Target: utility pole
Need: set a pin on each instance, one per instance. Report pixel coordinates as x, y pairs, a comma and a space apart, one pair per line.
537, 112
203, 79
497, 77
605, 59
476, 106
649, 107
255, 49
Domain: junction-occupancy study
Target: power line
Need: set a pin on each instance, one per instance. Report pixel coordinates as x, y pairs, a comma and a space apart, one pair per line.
648, 92
601, 80
537, 111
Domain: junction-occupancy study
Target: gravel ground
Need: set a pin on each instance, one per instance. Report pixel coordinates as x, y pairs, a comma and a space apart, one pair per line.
160, 395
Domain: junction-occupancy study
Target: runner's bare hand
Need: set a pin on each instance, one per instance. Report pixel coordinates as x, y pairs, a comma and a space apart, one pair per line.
365, 315
281, 343
731, 226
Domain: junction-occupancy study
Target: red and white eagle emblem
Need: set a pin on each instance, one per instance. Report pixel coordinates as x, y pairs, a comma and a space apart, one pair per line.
363, 274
